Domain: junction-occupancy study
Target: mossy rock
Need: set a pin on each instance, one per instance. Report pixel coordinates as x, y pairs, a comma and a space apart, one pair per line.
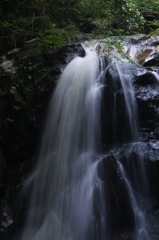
157, 31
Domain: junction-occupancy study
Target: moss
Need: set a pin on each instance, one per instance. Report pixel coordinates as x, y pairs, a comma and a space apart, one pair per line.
55, 38
157, 31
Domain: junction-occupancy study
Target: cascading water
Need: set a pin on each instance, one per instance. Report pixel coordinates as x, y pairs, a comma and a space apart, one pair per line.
140, 232
68, 196
156, 75
133, 171
61, 206
128, 98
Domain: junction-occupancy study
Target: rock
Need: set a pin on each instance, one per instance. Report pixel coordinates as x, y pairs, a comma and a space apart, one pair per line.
152, 59
137, 38
119, 210
146, 79
27, 79
8, 66
12, 53
142, 49
143, 55
153, 224
6, 215
154, 44
31, 76
147, 93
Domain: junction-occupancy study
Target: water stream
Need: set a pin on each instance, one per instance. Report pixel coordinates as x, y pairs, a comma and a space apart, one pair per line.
66, 188
132, 167
62, 201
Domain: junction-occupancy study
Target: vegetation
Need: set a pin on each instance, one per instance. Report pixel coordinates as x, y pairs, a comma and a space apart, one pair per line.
150, 11
51, 21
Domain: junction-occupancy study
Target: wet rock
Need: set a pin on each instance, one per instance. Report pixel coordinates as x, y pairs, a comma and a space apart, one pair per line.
11, 53
153, 224
119, 211
137, 38
3, 171
143, 55
27, 79
147, 94
143, 50
148, 104
154, 44
115, 122
146, 79
125, 235
152, 60
6, 216
8, 66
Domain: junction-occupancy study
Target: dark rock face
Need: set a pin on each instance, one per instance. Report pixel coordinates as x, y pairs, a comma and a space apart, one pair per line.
119, 210
146, 84
115, 120
27, 79
152, 60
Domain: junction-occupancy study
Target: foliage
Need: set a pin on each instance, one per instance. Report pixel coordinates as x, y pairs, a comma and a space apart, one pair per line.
54, 38
27, 19
126, 15
28, 69
147, 5
150, 11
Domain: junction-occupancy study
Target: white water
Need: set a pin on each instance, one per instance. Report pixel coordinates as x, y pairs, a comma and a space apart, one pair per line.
156, 75
123, 74
61, 205
133, 173
140, 232
62, 201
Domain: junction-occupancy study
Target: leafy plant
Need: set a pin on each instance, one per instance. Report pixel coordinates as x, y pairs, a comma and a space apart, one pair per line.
53, 22
53, 38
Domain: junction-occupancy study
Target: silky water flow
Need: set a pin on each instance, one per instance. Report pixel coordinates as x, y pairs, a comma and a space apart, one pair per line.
61, 206
133, 170
66, 181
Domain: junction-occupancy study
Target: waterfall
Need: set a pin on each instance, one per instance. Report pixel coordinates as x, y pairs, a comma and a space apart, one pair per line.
61, 206
133, 169
128, 98
68, 200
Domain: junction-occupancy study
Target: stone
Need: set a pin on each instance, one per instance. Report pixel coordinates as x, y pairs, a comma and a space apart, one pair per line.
27, 79
120, 211
143, 55
145, 79
152, 60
